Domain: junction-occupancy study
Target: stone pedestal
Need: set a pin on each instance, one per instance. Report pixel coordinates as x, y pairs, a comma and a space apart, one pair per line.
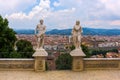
77, 64
40, 57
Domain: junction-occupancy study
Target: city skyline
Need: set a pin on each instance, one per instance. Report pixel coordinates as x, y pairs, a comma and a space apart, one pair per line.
61, 14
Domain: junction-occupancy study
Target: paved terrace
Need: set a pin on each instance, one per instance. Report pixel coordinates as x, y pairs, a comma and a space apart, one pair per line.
61, 75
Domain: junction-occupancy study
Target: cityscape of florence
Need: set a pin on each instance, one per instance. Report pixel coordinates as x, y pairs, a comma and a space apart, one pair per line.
59, 40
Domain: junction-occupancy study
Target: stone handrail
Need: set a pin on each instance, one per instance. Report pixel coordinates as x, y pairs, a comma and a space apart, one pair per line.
17, 59
101, 58
16, 64
101, 63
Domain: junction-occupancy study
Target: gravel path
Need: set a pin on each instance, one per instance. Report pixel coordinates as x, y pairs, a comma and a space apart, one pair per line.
61, 75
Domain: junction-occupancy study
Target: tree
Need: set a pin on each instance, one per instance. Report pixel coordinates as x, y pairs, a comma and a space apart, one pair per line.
86, 51
64, 62
7, 38
25, 48
72, 47
14, 54
95, 52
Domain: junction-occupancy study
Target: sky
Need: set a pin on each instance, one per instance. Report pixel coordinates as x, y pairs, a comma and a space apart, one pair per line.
61, 14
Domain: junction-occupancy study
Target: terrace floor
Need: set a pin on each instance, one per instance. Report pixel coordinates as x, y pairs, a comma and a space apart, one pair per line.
61, 75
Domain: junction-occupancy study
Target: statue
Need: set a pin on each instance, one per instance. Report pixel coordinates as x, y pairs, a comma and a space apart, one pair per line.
39, 33
40, 54
77, 53
76, 34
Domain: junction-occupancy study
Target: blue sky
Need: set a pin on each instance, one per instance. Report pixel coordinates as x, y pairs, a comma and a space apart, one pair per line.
61, 14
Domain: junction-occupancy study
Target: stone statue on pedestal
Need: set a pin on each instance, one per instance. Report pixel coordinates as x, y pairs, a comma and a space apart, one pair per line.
40, 53
39, 33
76, 38
77, 53
76, 34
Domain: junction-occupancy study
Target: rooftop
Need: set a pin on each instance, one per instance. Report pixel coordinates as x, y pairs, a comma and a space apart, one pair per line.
61, 75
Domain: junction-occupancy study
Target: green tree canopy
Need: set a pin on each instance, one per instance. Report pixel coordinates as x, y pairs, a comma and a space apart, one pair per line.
86, 51
95, 52
25, 48
64, 62
14, 54
7, 38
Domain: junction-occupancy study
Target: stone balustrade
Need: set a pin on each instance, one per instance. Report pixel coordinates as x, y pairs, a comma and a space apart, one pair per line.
88, 63
101, 63
16, 64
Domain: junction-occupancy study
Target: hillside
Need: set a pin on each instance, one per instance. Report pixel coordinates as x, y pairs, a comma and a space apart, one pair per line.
86, 31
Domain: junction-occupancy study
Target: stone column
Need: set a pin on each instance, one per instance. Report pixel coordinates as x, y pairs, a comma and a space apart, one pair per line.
78, 63
40, 57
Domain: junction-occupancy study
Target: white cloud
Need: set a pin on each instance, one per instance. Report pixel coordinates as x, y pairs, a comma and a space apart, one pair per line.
95, 13
40, 9
58, 19
17, 16
11, 6
104, 24
61, 19
113, 5
45, 3
56, 4
115, 23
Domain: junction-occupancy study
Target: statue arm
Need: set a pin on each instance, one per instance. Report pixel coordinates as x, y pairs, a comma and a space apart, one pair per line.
36, 30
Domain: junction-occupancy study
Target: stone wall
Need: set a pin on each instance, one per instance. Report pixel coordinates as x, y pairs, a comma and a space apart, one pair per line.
16, 64
101, 63
89, 64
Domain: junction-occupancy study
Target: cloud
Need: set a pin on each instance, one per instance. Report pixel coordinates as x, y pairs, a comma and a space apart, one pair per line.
43, 6
42, 10
61, 19
104, 24
115, 23
112, 5
12, 6
56, 4
63, 13
107, 10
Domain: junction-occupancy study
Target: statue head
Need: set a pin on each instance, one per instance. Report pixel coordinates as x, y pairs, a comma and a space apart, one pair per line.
41, 21
77, 22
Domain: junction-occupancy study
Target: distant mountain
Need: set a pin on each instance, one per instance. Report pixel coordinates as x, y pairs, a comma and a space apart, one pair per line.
109, 32
60, 32
25, 31
86, 31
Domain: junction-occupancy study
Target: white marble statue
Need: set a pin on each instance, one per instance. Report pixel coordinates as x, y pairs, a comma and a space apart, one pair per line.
76, 34
39, 33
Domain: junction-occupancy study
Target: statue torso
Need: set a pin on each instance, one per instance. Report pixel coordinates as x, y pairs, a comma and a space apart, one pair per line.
77, 30
40, 28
